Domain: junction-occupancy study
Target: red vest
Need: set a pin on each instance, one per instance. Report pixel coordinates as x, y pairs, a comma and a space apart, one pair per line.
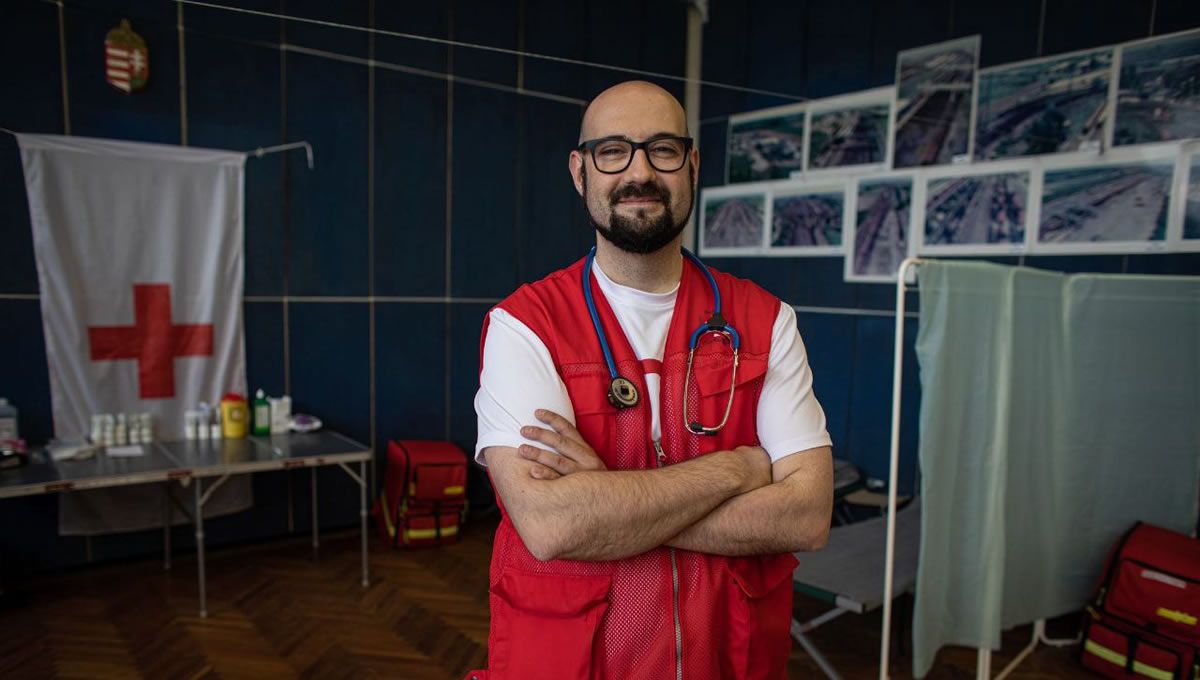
666, 611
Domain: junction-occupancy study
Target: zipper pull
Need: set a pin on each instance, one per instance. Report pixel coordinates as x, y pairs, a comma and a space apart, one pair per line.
662, 456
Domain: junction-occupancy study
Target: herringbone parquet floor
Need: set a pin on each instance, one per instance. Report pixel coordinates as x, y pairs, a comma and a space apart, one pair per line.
276, 613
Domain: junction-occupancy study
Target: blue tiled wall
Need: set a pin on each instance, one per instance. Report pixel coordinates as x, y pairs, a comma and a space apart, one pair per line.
491, 160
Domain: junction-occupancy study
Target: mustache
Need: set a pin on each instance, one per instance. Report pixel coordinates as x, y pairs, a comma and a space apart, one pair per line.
647, 190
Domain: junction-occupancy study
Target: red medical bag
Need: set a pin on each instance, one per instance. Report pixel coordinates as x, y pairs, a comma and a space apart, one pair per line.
1145, 618
424, 494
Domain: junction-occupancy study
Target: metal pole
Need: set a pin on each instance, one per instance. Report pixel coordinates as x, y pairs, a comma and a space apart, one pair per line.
316, 541
893, 464
167, 526
362, 512
198, 519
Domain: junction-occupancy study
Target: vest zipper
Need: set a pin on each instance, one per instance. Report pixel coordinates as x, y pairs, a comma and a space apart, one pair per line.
662, 458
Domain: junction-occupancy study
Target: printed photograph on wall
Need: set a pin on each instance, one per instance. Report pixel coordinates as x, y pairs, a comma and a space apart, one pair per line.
1044, 106
934, 92
1105, 204
883, 211
807, 220
849, 131
1158, 98
766, 144
733, 220
977, 213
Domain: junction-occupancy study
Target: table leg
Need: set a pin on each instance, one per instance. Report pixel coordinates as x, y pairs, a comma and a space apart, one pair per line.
362, 512
198, 518
167, 526
316, 541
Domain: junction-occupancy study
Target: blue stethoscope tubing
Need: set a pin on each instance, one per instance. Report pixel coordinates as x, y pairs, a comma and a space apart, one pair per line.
622, 393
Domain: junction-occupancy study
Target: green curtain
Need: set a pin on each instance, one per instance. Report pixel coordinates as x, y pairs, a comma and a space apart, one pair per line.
1055, 411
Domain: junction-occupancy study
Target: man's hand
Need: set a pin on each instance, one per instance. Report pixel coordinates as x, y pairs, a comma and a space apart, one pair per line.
568, 451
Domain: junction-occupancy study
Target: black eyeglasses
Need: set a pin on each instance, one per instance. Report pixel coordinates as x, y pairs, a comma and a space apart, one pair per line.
612, 155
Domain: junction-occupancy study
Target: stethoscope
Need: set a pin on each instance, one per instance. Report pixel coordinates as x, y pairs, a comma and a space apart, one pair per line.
622, 393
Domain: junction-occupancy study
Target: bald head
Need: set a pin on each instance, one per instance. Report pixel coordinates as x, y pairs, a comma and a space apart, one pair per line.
635, 109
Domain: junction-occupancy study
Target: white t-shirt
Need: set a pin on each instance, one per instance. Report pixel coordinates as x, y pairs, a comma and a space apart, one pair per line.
519, 377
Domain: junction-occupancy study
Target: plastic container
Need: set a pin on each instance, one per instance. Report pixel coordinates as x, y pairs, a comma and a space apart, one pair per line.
235, 416
8, 420
281, 414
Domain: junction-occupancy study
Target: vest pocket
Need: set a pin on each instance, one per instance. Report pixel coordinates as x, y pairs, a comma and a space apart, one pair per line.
760, 608
546, 625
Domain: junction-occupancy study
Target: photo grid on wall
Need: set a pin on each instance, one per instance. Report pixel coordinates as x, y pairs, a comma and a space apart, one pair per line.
1094, 151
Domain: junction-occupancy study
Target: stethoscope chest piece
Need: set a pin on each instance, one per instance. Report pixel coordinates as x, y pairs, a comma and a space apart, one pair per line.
622, 393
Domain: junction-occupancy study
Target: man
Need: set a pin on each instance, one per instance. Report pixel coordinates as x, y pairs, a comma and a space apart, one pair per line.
651, 496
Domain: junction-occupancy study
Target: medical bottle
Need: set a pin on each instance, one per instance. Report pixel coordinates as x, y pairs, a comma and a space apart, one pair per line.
8, 420
262, 414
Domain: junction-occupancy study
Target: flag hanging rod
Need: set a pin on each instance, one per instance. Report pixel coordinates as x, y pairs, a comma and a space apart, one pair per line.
257, 153
262, 151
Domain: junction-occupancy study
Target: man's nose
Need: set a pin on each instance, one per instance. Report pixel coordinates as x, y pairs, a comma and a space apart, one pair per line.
639, 169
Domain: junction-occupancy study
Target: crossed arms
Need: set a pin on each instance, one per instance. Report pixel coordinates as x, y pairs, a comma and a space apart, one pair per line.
566, 505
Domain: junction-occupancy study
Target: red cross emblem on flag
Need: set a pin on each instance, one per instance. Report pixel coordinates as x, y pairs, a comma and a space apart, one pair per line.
152, 340
126, 59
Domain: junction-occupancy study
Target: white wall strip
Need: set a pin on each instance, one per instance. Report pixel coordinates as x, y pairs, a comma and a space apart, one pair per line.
62, 60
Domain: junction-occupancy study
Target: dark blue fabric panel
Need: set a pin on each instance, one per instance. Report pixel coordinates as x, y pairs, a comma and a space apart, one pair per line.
410, 185
327, 242
328, 353
1175, 15
552, 230
1008, 30
664, 41
486, 155
902, 25
819, 282
1175, 264
712, 153
1080, 24
776, 275
28, 35
491, 23
25, 381
246, 27
410, 372
870, 419
725, 58
429, 19
1071, 264
101, 110
776, 51
836, 55
829, 339
466, 323
234, 102
314, 35
263, 322
558, 29
33, 544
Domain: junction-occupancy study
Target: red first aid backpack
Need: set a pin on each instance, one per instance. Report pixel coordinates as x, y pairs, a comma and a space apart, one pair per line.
424, 494
1145, 618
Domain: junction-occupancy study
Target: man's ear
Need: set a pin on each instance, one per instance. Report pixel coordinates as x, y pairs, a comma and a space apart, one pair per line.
695, 168
575, 165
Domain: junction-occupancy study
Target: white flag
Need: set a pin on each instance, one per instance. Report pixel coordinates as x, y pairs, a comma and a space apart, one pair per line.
139, 255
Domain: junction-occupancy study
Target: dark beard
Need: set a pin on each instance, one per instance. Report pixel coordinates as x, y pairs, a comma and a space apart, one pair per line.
635, 235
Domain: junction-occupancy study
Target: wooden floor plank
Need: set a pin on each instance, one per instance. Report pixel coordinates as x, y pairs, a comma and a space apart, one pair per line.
275, 612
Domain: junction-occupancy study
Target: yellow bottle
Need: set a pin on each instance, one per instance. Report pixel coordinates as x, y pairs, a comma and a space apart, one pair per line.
235, 416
